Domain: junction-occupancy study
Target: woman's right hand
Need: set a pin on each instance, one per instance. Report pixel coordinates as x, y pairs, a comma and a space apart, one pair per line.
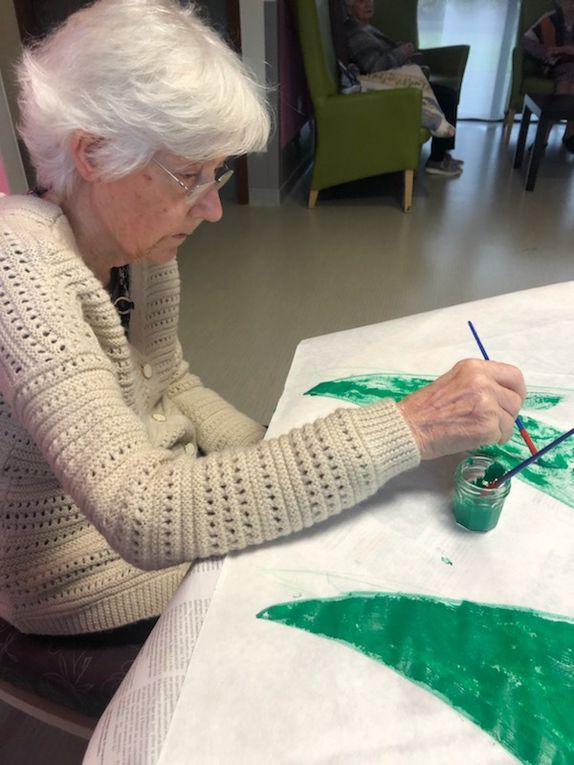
408, 49
473, 404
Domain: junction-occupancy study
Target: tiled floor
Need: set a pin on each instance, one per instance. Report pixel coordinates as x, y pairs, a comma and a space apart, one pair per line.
265, 278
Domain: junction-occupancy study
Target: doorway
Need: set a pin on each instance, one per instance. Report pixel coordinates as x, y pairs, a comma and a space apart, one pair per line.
490, 30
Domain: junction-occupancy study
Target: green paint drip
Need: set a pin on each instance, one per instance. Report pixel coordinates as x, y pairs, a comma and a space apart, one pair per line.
554, 474
509, 670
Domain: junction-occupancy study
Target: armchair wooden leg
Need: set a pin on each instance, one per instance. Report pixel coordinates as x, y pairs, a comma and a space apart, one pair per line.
312, 198
508, 122
408, 190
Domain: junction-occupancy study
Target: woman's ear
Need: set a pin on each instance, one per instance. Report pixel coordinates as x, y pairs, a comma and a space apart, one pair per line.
82, 146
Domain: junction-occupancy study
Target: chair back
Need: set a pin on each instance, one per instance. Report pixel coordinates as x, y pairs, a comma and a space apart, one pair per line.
398, 20
316, 40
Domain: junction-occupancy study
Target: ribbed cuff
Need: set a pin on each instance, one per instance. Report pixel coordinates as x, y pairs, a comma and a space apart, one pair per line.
387, 438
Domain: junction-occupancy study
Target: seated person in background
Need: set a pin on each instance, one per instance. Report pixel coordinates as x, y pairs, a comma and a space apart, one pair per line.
371, 51
551, 41
118, 467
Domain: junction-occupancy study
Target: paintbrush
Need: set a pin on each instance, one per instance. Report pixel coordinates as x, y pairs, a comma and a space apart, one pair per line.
531, 459
521, 429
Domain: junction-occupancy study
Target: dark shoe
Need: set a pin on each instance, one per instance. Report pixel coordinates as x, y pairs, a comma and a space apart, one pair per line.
454, 159
445, 167
569, 143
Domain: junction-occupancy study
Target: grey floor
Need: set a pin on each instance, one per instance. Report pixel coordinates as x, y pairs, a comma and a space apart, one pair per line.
264, 278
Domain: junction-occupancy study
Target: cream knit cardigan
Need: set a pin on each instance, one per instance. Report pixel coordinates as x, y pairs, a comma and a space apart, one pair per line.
103, 499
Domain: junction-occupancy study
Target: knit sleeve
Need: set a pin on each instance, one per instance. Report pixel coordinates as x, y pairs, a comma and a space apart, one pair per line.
217, 423
157, 506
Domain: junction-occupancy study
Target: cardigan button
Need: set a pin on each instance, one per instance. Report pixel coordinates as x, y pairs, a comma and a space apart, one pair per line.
159, 417
147, 371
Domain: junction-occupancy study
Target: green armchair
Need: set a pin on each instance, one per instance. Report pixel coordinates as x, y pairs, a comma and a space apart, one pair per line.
400, 22
527, 73
361, 134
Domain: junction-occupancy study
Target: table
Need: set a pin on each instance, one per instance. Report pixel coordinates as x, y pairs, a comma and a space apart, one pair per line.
257, 690
548, 109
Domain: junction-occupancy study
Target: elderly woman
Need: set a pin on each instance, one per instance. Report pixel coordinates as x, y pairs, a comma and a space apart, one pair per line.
372, 51
118, 467
551, 41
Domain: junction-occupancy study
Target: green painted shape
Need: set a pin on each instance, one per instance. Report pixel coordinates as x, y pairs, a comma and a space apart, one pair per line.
509, 670
542, 399
554, 474
367, 389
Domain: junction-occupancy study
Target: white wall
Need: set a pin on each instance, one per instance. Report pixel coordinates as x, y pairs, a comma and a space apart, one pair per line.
13, 171
259, 51
12, 176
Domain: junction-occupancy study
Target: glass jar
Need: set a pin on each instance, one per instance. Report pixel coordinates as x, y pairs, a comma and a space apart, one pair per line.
475, 507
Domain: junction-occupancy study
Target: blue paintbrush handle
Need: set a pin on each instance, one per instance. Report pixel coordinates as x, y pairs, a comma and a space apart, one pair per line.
532, 458
479, 341
523, 432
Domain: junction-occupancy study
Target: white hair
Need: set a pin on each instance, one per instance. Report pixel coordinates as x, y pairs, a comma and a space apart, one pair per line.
143, 76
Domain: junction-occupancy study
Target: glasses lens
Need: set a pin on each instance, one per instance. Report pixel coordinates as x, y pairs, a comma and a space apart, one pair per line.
222, 175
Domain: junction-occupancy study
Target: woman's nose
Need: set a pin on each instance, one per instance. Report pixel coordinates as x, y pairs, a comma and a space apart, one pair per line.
208, 207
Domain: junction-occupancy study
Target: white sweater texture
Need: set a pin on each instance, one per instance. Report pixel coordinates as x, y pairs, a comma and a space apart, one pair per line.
104, 501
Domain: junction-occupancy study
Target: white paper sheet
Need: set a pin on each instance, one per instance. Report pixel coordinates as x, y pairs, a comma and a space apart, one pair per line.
132, 729
260, 692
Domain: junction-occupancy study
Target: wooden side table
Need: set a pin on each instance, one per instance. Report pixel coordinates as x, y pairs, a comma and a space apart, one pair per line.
548, 109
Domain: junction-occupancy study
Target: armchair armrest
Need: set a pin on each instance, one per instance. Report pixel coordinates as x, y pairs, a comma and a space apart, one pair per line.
365, 134
377, 111
447, 64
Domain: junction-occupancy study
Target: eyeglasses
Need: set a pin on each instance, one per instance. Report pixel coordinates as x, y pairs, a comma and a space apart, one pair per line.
195, 192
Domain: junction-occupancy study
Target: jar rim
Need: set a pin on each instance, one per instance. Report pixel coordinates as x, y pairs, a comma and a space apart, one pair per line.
467, 483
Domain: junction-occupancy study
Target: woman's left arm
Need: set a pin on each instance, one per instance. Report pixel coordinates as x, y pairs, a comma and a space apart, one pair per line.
218, 424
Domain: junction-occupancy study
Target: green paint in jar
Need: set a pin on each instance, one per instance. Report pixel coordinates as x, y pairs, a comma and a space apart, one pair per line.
475, 506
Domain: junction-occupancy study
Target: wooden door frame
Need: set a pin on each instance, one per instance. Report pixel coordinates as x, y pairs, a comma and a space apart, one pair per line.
234, 34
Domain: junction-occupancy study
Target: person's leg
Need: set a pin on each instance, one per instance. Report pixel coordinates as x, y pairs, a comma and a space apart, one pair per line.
440, 161
447, 100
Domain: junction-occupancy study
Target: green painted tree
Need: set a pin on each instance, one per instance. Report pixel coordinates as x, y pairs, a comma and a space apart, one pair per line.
509, 670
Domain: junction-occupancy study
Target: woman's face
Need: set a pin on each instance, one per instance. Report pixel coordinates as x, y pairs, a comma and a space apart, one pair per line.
362, 11
145, 213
